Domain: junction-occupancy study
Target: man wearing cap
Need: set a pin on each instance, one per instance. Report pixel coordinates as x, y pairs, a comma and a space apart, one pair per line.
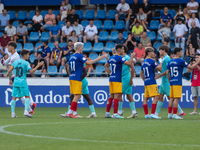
4, 40
181, 16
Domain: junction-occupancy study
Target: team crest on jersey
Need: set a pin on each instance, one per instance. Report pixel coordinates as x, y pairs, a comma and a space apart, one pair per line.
123, 59
84, 58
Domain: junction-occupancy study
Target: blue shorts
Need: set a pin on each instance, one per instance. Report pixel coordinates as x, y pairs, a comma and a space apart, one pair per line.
126, 87
20, 91
164, 88
85, 89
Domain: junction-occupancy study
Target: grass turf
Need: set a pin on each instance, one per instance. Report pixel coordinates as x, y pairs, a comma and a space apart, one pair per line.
51, 132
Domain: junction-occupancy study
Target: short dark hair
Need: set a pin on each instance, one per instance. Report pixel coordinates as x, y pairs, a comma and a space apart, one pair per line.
120, 32
148, 49
125, 49
140, 43
10, 22
21, 22
129, 33
13, 44
177, 49
36, 11
24, 52
118, 46
45, 42
164, 47
69, 40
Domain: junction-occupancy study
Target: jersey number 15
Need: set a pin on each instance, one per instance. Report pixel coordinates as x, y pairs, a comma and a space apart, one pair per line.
174, 71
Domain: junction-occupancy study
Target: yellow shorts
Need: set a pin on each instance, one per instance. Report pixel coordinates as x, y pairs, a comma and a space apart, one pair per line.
115, 87
151, 90
176, 91
75, 87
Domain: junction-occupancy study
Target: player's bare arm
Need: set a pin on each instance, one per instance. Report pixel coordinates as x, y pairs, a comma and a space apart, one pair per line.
142, 75
67, 69
9, 73
97, 59
106, 66
132, 71
167, 74
84, 73
38, 65
128, 63
194, 65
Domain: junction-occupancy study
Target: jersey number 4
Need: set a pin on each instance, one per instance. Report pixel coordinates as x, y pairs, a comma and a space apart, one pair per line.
174, 71
19, 71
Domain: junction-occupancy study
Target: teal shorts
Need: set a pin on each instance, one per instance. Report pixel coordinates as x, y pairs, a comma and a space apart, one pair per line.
20, 91
165, 88
85, 89
126, 87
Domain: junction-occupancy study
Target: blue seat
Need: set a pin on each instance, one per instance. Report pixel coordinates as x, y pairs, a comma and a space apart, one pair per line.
34, 36
161, 12
159, 37
32, 58
45, 36
87, 47
12, 15
99, 70
43, 13
51, 45
16, 24
98, 47
52, 70
98, 24
111, 14
36, 45
151, 35
22, 15
172, 46
84, 23
29, 46
114, 35
63, 44
125, 34
109, 46
56, 12
28, 22
19, 47
172, 38
101, 14
61, 24
119, 25
93, 56
89, 14
31, 14
80, 13
172, 12
154, 25
157, 45
137, 70
103, 36
104, 60
60, 71
108, 25
1, 34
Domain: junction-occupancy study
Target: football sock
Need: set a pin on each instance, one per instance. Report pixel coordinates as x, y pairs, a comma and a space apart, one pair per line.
159, 106
153, 108
179, 109
74, 113
175, 110
31, 103
132, 106
27, 104
72, 107
169, 110
13, 106
23, 100
120, 108
75, 108
69, 107
92, 109
145, 107
109, 104
115, 105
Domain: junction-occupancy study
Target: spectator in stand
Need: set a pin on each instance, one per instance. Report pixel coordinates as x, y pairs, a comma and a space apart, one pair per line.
3, 67
67, 52
54, 32
63, 10
69, 6
190, 51
89, 68
56, 55
48, 19
155, 51
130, 19
120, 39
4, 40
73, 38
147, 9
1, 7
131, 42
139, 54
187, 14
166, 44
144, 40
58, 18
135, 7
44, 75
142, 18
181, 16
11, 30
193, 7
45, 52
6, 71
66, 31
165, 17
73, 17
191, 20
36, 61
122, 9
22, 32
137, 30
79, 30
194, 36
180, 30
37, 21
90, 33
165, 32
4, 18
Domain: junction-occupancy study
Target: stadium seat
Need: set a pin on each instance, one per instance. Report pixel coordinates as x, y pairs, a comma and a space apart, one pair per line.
45, 36
172, 46
119, 25
51, 45
19, 47
1, 34
125, 34
80, 13
28, 22
93, 56
34, 36
172, 38
61, 24
159, 37
103, 36
22, 15
36, 45
172, 12
98, 47
32, 58
151, 35
31, 14
52, 70
16, 24
157, 45
63, 44
109, 46
98, 24
56, 12
28, 46
99, 70
12, 15
137, 70
161, 12
111, 14
43, 13
87, 47
60, 71
108, 25
89, 14
84, 23
101, 14
154, 25
114, 35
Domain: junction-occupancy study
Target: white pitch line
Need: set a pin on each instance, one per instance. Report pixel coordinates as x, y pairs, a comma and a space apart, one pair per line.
82, 140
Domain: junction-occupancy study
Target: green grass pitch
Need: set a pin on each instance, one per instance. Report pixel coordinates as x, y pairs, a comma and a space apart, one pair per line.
48, 131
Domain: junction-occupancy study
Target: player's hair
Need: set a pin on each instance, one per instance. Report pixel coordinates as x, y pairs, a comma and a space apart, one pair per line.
177, 49
45, 42
77, 45
118, 46
148, 49
125, 49
24, 52
69, 40
13, 44
164, 47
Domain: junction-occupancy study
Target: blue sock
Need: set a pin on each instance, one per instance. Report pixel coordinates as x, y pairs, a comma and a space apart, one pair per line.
132, 105
179, 109
120, 105
159, 106
27, 103
13, 106
92, 108
69, 107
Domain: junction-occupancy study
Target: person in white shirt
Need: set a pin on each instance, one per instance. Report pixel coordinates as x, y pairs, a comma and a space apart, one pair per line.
180, 30
193, 7
66, 31
1, 7
37, 21
11, 30
193, 19
90, 33
63, 10
79, 30
122, 9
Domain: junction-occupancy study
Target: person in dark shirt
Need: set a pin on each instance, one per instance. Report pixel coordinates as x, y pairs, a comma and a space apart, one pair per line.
135, 7
147, 9
164, 18
73, 17
120, 39
67, 52
131, 42
130, 19
36, 61
181, 16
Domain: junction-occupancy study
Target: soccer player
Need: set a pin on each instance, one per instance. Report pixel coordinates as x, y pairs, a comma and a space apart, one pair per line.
164, 87
20, 87
174, 75
115, 80
151, 89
